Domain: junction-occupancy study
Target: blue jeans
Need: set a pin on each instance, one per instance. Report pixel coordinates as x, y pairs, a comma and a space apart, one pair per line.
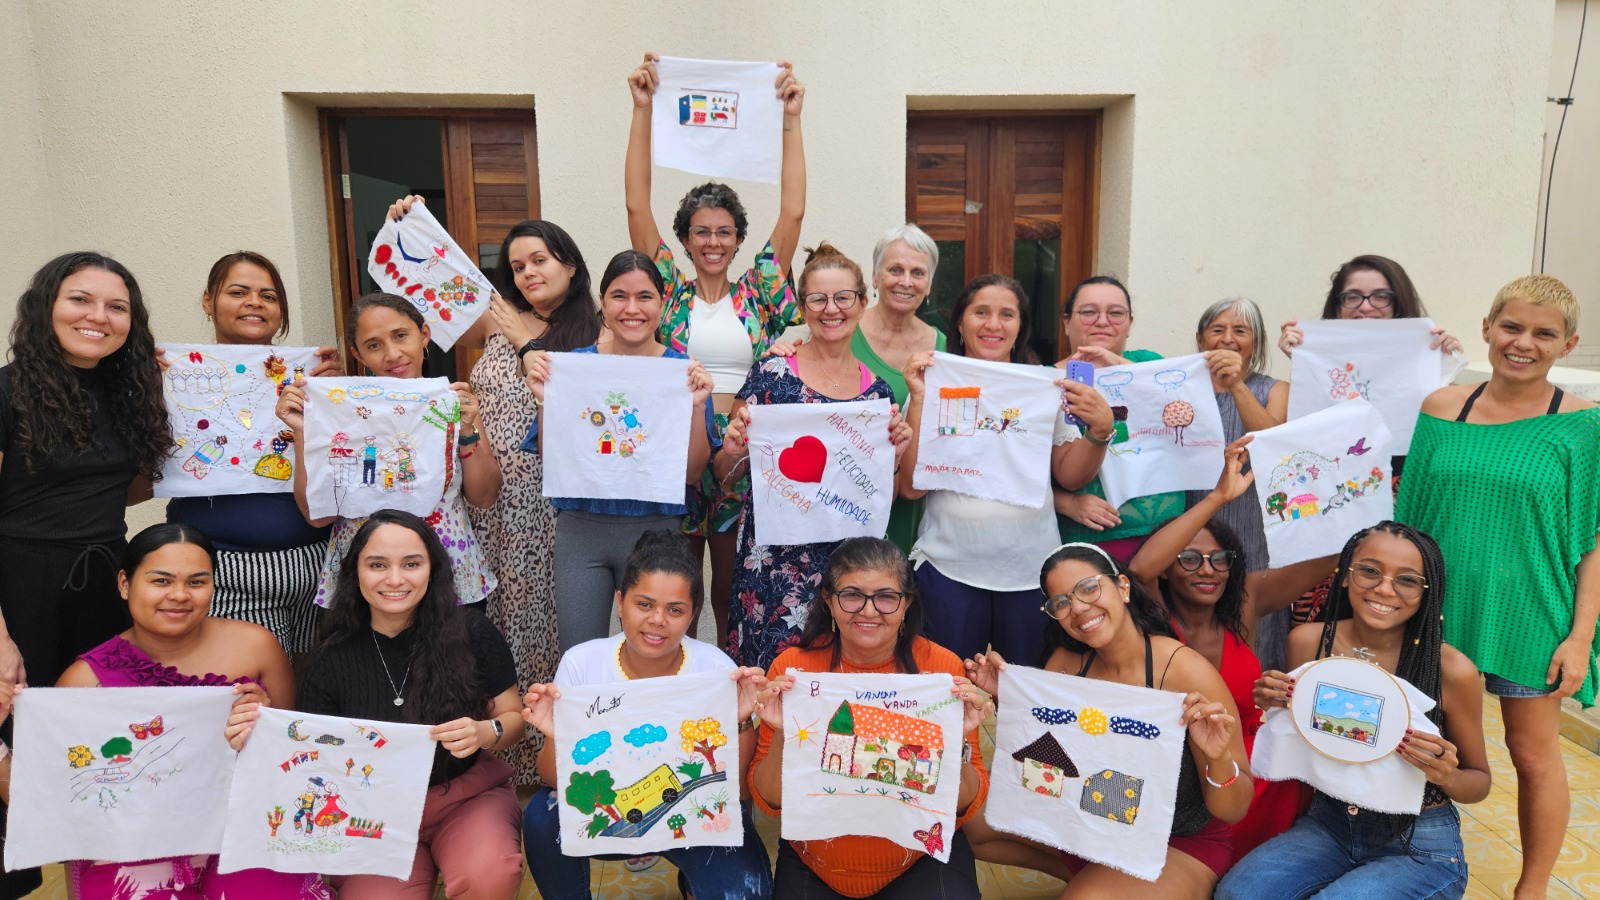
714, 873
1333, 855
968, 620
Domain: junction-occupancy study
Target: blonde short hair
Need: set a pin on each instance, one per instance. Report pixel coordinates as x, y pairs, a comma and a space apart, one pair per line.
1540, 290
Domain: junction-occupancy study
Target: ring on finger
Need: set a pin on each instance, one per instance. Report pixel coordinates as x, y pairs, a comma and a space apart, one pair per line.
1440, 754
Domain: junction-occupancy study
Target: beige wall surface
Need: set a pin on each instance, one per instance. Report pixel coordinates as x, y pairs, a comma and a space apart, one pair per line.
1249, 147
1573, 251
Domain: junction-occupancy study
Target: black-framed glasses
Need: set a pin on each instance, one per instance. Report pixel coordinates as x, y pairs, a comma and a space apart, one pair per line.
1406, 585
1086, 592
1191, 560
842, 299
885, 602
1378, 299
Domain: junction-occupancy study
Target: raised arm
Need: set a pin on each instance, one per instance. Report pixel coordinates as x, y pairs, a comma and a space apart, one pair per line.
1162, 547
642, 230
916, 390
792, 178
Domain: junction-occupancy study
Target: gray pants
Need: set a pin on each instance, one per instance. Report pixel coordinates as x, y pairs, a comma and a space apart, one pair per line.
591, 552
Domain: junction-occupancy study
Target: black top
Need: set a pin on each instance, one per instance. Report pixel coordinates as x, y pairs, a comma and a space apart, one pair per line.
74, 496
248, 523
1555, 402
348, 680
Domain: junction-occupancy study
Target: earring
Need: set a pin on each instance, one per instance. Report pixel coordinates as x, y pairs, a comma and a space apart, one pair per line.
834, 623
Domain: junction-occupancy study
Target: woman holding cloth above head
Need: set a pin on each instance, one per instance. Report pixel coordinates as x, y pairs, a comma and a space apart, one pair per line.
972, 554
869, 621
268, 557
659, 595
1504, 474
1385, 610
1370, 287
774, 586
725, 324
593, 536
389, 337
1111, 630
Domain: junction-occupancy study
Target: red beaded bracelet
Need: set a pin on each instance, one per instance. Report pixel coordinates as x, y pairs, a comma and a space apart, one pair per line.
1230, 781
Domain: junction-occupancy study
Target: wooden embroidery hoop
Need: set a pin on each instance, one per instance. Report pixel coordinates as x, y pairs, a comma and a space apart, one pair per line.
1359, 675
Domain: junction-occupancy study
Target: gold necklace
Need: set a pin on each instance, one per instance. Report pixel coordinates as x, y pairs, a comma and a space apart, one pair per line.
683, 659
826, 373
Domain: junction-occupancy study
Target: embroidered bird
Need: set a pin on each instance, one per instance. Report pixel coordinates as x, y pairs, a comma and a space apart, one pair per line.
1358, 448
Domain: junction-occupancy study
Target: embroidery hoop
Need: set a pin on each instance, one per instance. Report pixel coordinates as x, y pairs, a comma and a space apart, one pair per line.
1360, 676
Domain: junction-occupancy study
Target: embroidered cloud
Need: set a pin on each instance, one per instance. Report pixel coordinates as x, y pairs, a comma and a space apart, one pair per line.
588, 749
1049, 715
645, 735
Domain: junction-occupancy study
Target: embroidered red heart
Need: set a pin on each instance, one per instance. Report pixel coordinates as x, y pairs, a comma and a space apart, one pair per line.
804, 460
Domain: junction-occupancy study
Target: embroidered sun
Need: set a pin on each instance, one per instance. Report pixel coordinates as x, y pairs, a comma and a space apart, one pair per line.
802, 733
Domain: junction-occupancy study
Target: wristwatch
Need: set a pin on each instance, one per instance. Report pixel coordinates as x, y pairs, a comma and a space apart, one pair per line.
499, 729
534, 344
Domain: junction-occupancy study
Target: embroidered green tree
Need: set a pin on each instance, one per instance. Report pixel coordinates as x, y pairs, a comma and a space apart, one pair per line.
591, 791
1277, 504
676, 823
117, 749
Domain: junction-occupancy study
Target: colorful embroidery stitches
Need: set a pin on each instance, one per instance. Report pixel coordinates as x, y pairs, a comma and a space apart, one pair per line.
622, 432
1347, 713
875, 744
708, 109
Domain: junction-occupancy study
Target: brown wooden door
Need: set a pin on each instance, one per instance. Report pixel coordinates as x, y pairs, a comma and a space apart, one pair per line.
478, 170
1009, 193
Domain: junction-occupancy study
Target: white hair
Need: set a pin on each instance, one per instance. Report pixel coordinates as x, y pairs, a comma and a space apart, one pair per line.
912, 237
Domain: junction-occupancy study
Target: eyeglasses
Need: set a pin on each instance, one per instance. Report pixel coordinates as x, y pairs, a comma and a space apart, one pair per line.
721, 234
843, 300
1086, 592
1406, 586
1116, 315
1378, 299
1191, 560
885, 602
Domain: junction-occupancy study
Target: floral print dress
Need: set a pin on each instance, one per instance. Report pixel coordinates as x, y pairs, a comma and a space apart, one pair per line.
774, 585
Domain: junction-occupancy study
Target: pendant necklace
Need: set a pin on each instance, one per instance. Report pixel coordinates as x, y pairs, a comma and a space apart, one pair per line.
828, 374
1364, 654
398, 700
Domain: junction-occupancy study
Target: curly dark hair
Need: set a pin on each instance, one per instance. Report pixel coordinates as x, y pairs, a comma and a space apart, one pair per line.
50, 411
1147, 613
576, 322
444, 681
1229, 608
711, 195
862, 554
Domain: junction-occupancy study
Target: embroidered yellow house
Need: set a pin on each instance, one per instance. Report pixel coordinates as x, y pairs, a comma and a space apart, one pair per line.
608, 444
1303, 506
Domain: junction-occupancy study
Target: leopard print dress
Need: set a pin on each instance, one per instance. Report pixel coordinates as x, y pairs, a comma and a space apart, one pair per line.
517, 534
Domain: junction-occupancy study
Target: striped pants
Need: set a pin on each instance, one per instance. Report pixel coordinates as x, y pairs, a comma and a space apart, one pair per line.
272, 588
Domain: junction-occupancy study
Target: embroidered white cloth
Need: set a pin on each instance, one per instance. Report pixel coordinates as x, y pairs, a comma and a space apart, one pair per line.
649, 765
987, 429
616, 427
822, 471
1388, 784
110, 773
1168, 433
221, 401
417, 259
718, 118
874, 755
1089, 767
378, 443
327, 794
1383, 361
1322, 478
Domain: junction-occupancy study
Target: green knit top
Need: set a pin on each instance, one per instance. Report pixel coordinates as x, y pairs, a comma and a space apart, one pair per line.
904, 515
1514, 507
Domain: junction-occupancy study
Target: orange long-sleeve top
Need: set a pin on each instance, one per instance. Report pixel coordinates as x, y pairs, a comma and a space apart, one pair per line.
855, 865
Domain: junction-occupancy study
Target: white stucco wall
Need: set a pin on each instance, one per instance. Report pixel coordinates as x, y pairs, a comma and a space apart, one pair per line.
1573, 254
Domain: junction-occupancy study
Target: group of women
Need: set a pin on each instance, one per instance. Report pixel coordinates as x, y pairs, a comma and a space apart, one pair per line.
473, 618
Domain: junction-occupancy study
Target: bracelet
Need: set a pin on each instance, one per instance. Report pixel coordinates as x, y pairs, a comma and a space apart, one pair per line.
1227, 783
467, 440
499, 729
749, 724
466, 455
1089, 434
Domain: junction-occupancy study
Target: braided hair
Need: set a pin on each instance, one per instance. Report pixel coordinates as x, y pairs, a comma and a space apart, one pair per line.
1422, 640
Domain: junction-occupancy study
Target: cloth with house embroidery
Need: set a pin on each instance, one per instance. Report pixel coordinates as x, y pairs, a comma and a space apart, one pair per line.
718, 118
417, 259
616, 427
1322, 478
221, 400
1383, 361
1090, 767
379, 443
988, 428
876, 755
821, 472
1168, 433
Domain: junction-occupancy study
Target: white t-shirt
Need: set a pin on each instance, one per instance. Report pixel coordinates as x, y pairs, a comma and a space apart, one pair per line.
720, 342
988, 544
595, 662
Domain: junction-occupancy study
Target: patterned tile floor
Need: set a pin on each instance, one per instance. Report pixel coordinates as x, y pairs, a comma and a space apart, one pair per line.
1490, 828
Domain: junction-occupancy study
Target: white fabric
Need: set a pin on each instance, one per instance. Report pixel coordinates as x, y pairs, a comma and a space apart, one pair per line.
649, 765
718, 339
221, 401
595, 662
86, 785
985, 543
821, 471
365, 822
417, 259
987, 429
1388, 784
1110, 734
1169, 433
1322, 478
405, 427
874, 755
616, 427
1384, 361
716, 118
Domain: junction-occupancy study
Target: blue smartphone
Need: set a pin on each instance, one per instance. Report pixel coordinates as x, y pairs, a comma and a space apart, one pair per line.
1083, 373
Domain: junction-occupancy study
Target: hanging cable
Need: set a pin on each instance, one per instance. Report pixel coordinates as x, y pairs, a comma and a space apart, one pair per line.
1565, 104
